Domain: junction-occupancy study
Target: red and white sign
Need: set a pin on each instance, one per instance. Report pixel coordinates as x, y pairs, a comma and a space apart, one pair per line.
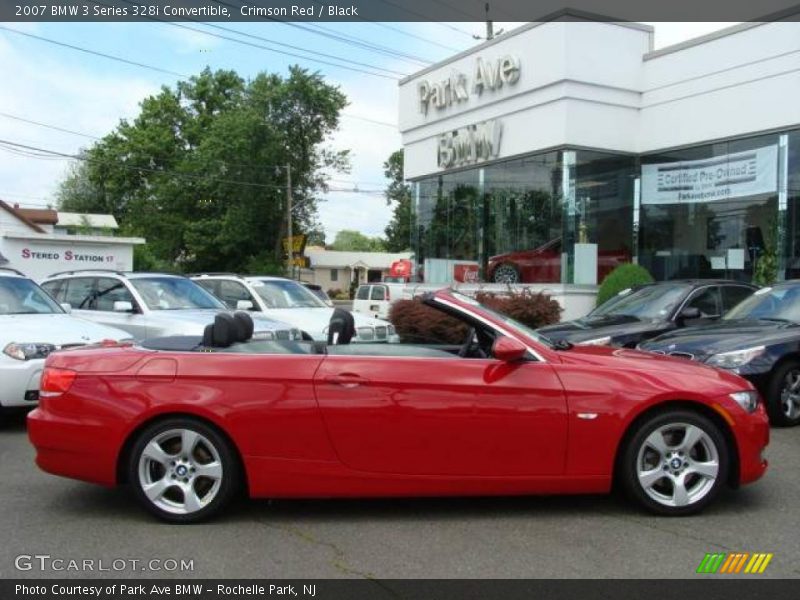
465, 273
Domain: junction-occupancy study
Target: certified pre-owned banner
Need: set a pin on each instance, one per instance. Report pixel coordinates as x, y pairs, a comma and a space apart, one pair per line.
707, 180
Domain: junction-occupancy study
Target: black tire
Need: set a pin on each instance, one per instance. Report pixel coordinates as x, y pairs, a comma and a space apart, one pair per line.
668, 426
211, 453
777, 412
510, 269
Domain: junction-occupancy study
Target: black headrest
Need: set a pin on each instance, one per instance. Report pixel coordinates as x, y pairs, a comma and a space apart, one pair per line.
222, 333
342, 327
244, 326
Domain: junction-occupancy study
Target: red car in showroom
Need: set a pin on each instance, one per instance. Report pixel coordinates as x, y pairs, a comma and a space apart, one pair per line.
188, 422
543, 264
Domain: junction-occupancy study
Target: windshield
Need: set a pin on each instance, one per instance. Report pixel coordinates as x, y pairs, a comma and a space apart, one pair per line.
286, 294
20, 296
781, 303
511, 323
174, 293
653, 302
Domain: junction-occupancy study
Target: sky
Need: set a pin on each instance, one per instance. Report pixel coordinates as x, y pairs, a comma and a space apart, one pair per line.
89, 94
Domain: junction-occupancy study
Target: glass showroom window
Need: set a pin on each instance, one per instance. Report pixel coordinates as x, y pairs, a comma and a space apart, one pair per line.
598, 222
792, 236
448, 215
712, 210
522, 220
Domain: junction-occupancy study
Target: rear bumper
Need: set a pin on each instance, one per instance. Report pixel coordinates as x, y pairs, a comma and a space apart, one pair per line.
73, 448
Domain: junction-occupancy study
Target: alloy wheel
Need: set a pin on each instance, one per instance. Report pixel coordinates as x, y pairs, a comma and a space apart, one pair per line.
790, 395
506, 274
180, 471
678, 464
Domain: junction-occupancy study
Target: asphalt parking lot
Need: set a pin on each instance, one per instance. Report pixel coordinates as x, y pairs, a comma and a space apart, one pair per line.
555, 537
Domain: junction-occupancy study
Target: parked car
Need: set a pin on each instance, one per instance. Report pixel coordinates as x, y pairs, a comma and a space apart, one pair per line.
638, 314
148, 304
289, 301
759, 340
317, 290
375, 299
32, 325
543, 264
301, 419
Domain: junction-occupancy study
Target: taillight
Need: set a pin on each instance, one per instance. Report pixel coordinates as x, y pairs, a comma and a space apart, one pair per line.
55, 382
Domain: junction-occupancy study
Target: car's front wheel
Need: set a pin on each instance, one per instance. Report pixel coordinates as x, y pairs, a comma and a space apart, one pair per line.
183, 470
506, 273
783, 397
675, 463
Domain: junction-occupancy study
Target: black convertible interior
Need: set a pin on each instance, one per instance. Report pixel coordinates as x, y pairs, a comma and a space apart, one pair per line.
233, 333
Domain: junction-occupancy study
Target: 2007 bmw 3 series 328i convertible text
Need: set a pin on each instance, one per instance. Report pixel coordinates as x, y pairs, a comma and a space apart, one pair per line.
189, 422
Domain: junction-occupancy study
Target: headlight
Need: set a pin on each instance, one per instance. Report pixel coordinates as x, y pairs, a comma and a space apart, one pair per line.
602, 341
747, 400
735, 359
28, 351
366, 333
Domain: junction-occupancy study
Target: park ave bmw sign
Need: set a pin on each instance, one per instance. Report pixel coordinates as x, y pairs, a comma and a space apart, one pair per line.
480, 141
487, 76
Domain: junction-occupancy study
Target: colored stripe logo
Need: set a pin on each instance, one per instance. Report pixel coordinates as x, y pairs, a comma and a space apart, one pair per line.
732, 563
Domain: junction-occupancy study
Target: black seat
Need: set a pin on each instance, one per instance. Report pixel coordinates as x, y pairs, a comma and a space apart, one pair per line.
341, 328
223, 332
244, 326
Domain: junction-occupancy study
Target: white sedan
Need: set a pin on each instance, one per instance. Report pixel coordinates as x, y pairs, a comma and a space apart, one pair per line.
290, 302
32, 325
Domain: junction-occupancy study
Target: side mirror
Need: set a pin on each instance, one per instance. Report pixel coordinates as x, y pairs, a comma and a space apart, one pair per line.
244, 305
123, 306
688, 314
67, 307
508, 349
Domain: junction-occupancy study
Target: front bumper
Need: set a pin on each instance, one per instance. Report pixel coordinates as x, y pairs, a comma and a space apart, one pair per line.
751, 435
19, 381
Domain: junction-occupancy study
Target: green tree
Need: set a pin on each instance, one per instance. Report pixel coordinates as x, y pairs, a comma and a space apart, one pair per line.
200, 172
355, 241
398, 195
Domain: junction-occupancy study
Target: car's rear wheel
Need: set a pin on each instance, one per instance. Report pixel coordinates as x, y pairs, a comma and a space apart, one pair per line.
783, 398
675, 463
183, 470
506, 273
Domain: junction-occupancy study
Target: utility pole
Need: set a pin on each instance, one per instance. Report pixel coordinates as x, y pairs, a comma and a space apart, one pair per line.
290, 248
489, 27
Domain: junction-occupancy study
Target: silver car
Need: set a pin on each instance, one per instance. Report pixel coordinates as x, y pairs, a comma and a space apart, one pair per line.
149, 305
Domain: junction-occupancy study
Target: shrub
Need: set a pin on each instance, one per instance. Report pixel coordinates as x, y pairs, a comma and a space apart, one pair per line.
417, 323
622, 278
533, 309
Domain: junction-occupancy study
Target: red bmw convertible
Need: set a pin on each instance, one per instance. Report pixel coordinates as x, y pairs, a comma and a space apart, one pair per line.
189, 422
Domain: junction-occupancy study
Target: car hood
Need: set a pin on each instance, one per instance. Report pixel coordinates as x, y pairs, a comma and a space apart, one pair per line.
55, 329
314, 320
589, 328
205, 316
657, 369
725, 336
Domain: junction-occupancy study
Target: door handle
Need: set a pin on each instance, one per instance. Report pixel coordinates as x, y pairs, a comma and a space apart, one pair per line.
347, 380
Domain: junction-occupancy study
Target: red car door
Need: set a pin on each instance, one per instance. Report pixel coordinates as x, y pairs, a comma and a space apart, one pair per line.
443, 416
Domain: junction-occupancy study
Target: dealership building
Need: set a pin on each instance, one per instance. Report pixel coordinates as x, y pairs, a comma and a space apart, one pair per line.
556, 151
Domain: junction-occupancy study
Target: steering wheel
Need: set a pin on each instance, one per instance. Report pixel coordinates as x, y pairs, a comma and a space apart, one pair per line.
469, 343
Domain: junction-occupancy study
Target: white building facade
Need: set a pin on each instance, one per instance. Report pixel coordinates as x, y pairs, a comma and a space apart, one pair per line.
557, 151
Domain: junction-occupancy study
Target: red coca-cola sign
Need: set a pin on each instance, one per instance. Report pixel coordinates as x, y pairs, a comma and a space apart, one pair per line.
465, 273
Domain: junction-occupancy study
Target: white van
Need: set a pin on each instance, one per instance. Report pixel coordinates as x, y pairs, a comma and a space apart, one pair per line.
375, 299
